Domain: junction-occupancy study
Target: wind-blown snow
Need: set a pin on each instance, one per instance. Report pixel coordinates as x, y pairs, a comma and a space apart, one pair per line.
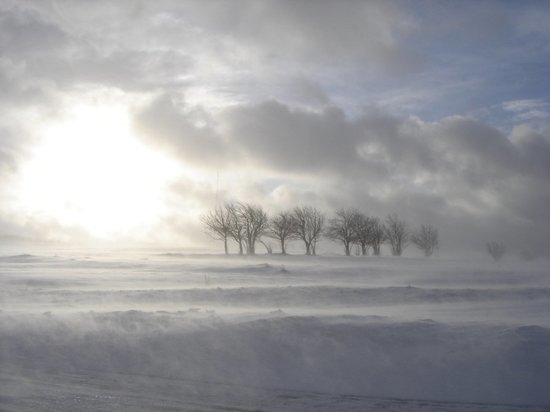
271, 332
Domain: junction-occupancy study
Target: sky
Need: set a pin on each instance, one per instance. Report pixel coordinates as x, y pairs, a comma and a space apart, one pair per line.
125, 121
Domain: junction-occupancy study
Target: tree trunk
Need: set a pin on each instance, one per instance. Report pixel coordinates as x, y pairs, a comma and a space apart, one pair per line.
283, 250
225, 245
364, 249
346, 249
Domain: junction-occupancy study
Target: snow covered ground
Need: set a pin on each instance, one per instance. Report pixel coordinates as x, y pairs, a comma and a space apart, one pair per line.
145, 330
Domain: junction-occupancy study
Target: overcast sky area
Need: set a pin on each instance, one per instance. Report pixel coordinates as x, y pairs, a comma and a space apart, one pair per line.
125, 121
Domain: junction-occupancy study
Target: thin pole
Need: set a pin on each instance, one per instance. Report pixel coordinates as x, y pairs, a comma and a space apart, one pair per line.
217, 185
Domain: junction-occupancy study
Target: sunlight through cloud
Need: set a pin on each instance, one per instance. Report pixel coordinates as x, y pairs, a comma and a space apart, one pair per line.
89, 171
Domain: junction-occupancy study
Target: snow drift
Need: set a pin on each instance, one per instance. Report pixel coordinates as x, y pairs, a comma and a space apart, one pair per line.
411, 329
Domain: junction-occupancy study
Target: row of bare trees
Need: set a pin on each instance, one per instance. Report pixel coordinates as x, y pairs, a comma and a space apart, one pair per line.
246, 224
351, 226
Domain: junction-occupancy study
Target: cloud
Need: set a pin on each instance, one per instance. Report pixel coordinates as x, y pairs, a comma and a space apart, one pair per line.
273, 136
26, 32
340, 103
143, 47
285, 139
284, 29
40, 49
302, 89
526, 110
533, 151
477, 24
170, 124
456, 169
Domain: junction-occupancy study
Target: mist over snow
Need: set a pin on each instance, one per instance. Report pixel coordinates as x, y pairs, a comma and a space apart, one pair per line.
125, 123
149, 330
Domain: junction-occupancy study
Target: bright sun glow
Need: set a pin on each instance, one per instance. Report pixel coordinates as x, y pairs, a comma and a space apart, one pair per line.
89, 171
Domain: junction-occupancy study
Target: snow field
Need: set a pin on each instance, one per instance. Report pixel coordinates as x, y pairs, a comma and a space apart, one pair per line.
408, 329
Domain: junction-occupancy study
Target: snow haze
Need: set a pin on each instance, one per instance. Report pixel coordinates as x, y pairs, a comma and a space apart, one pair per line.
166, 330
130, 129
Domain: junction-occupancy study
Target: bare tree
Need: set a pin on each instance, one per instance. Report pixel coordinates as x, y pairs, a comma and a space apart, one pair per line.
426, 239
254, 221
236, 226
309, 226
363, 229
378, 235
268, 247
282, 228
397, 234
218, 224
342, 228
496, 250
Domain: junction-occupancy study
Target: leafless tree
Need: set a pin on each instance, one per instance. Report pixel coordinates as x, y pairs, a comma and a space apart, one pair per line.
282, 227
218, 224
254, 221
342, 228
309, 226
426, 239
236, 225
496, 250
378, 235
363, 228
397, 234
268, 247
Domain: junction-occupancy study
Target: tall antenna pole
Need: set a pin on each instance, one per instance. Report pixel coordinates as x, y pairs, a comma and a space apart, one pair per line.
217, 186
